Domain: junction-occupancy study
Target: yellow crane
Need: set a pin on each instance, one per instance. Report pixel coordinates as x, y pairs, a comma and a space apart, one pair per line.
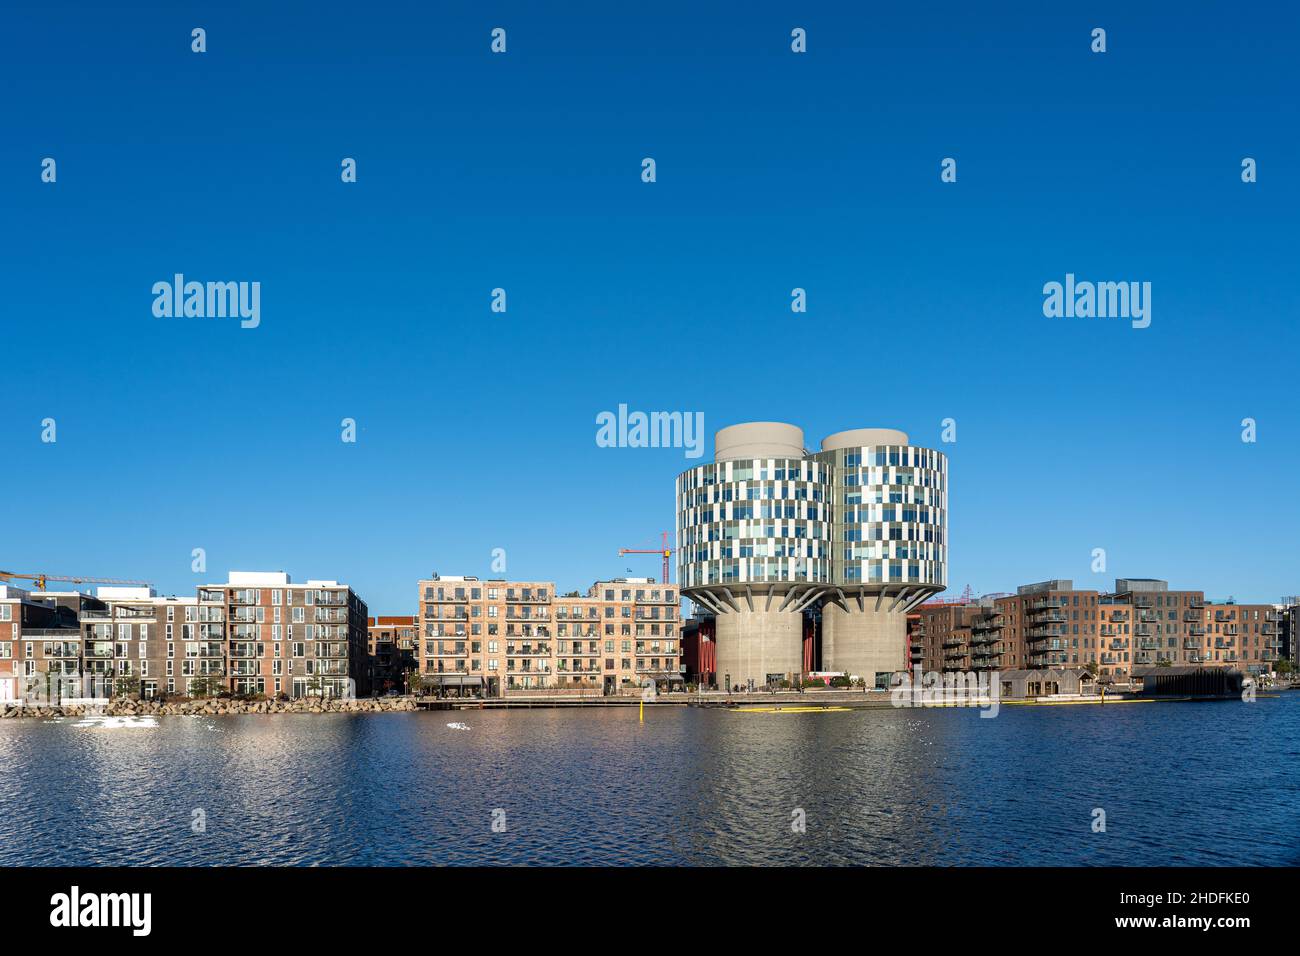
40, 580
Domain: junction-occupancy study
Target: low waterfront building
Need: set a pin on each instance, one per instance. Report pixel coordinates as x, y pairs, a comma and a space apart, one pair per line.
1023, 684
1188, 681
494, 636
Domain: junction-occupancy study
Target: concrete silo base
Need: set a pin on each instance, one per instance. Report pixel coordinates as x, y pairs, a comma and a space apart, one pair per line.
755, 644
863, 643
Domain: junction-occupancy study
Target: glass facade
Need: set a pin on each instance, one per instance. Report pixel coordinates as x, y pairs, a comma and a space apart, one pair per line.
851, 517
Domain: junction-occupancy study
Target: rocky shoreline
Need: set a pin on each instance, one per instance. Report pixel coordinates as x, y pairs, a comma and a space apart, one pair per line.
216, 707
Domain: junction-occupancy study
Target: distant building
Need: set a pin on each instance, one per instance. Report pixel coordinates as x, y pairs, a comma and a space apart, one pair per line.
1140, 623
391, 650
257, 633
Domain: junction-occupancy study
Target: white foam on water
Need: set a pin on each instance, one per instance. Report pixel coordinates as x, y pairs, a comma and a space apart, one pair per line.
116, 723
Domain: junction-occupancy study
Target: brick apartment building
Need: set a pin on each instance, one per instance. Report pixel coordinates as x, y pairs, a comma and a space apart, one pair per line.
1053, 624
39, 634
257, 633
495, 635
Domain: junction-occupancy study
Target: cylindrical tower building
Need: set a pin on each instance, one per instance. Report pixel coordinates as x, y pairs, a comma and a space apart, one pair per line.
890, 508
769, 531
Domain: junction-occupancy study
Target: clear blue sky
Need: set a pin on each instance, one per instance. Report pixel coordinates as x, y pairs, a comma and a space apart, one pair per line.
775, 170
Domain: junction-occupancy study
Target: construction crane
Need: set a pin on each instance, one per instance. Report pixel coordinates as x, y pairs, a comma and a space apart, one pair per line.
41, 579
665, 551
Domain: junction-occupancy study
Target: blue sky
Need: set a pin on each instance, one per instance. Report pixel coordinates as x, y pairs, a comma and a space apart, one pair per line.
476, 430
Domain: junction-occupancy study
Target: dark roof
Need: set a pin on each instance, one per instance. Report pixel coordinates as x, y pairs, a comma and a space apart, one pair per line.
1147, 670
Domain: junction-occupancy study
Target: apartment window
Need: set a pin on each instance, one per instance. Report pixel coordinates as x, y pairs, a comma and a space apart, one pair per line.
299, 615
275, 599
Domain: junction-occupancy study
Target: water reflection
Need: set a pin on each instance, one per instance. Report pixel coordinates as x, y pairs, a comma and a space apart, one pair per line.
686, 787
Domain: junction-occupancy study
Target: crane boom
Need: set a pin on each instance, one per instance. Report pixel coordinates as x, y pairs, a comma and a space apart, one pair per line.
665, 551
40, 580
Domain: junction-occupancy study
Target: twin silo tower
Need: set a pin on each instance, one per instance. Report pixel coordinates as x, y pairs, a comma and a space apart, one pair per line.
770, 530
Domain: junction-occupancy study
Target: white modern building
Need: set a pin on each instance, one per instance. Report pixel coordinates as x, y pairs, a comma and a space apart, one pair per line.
770, 530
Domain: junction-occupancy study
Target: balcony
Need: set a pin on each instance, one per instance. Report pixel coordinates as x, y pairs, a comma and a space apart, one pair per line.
1043, 604
528, 597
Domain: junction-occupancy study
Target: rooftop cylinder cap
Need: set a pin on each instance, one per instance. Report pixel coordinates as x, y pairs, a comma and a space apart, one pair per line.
758, 440
864, 438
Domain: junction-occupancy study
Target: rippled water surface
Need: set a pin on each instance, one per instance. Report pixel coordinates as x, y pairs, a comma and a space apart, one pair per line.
1180, 783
